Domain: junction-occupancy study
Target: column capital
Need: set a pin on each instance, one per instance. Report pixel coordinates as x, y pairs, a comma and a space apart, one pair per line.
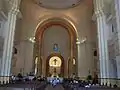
14, 11
14, 7
77, 41
99, 13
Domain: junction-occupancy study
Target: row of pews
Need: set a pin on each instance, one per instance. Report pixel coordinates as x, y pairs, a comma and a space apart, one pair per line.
43, 84
84, 86
34, 85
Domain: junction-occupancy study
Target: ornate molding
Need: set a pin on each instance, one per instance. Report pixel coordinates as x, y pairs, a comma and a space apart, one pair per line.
14, 4
55, 21
65, 19
99, 13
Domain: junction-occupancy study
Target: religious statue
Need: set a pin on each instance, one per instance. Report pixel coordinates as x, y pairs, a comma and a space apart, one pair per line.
55, 47
55, 62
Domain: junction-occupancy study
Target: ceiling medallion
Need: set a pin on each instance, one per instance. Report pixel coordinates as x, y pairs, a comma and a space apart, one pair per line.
57, 4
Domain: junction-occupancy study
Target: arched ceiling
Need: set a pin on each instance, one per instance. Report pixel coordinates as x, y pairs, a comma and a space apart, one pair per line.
57, 4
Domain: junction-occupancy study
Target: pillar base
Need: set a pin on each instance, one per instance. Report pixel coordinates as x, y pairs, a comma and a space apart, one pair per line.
4, 80
110, 82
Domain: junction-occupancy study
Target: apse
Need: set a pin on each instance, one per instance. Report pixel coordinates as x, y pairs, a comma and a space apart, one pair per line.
59, 36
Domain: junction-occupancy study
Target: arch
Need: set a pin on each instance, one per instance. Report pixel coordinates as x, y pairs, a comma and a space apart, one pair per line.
60, 20
46, 23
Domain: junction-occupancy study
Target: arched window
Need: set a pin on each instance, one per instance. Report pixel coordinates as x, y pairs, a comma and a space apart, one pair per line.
74, 61
36, 61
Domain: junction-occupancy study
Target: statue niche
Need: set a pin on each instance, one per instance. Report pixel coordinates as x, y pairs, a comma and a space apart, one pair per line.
54, 66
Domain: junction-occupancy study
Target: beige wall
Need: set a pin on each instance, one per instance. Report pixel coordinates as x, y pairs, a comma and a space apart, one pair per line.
60, 36
80, 16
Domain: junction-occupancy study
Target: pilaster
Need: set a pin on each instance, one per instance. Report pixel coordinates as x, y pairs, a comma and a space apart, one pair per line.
78, 57
117, 8
102, 41
8, 43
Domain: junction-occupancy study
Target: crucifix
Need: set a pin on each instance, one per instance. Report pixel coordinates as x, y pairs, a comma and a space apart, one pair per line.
55, 64
55, 61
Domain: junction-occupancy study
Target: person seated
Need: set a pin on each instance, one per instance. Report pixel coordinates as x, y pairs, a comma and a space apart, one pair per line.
13, 78
34, 79
20, 77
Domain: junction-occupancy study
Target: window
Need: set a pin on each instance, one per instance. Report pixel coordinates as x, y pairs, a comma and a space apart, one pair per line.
73, 61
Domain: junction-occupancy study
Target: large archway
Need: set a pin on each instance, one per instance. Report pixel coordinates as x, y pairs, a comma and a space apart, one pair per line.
39, 40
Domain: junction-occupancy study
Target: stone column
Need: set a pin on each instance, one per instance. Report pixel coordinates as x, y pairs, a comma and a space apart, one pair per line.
103, 47
117, 9
8, 43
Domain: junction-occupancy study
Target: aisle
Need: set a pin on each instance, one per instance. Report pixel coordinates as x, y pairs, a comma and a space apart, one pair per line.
58, 87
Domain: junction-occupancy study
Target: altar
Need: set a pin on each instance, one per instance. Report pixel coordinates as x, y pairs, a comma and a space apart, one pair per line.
55, 63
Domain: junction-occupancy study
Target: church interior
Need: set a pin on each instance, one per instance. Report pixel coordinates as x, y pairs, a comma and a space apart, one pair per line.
60, 39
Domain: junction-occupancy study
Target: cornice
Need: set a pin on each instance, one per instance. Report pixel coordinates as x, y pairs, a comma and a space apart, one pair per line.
13, 6
99, 13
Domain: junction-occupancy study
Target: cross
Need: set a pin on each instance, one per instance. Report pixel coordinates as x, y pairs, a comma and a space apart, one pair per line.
55, 61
